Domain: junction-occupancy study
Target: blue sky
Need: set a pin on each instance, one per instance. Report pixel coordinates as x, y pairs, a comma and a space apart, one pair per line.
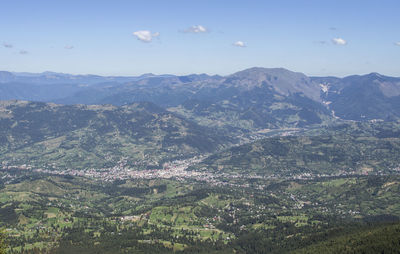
190, 36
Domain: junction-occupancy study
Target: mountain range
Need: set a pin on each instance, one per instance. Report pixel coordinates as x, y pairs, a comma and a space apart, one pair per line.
255, 97
263, 160
81, 121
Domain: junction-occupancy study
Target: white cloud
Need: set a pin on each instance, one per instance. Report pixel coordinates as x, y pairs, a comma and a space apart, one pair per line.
69, 47
7, 45
196, 29
339, 41
145, 36
397, 43
23, 52
239, 44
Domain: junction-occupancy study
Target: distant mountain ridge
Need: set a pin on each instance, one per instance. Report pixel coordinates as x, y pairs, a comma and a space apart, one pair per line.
281, 80
49, 77
252, 98
371, 96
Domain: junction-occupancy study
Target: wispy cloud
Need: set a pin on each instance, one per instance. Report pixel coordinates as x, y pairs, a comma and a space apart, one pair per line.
69, 47
397, 43
196, 29
240, 44
332, 28
23, 52
7, 45
145, 35
339, 41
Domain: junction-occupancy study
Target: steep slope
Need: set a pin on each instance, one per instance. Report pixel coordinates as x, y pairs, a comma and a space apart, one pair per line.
282, 81
378, 239
258, 98
140, 135
367, 97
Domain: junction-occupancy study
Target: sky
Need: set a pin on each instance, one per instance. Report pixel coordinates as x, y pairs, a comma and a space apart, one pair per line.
318, 38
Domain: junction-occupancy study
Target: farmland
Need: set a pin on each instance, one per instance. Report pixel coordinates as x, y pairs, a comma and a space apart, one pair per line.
41, 212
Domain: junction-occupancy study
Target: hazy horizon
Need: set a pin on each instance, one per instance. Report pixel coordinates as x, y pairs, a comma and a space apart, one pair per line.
129, 38
186, 74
